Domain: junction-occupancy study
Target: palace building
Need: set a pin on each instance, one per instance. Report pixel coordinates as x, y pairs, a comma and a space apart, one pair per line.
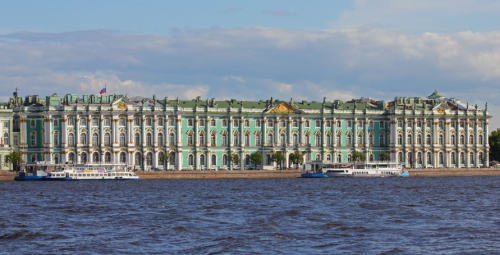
200, 134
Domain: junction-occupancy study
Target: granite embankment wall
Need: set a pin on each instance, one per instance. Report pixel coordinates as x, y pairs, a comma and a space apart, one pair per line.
239, 174
453, 172
172, 175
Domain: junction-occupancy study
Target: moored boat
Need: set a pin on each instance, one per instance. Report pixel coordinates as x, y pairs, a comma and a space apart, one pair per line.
369, 169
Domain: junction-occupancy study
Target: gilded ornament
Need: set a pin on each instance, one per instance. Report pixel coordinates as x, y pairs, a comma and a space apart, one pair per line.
122, 106
283, 108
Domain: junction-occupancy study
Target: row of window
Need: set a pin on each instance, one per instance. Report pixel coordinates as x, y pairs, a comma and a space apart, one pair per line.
428, 140
440, 124
453, 157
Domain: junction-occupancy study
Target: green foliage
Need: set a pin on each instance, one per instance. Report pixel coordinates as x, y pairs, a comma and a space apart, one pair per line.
494, 140
296, 158
233, 159
278, 158
384, 156
256, 158
13, 158
358, 156
164, 157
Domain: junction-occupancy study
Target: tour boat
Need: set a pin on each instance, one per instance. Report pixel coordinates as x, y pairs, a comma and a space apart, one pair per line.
40, 171
371, 169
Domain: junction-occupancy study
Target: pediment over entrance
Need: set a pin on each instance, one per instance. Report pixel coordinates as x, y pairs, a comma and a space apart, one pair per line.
283, 108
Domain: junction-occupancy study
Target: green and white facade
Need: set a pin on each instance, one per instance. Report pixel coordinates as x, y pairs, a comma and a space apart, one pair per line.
200, 134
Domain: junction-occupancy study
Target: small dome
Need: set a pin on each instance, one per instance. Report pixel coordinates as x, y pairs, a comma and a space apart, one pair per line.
435, 95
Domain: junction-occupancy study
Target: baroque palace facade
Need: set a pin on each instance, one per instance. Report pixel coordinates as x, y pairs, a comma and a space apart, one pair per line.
200, 134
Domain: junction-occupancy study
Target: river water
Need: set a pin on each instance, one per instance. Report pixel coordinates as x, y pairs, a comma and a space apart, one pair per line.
446, 215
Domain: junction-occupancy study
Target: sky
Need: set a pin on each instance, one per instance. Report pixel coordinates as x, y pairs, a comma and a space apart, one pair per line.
254, 50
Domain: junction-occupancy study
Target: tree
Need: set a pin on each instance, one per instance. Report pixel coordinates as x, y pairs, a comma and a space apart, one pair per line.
278, 158
233, 158
358, 156
13, 158
494, 141
297, 158
384, 156
165, 157
256, 158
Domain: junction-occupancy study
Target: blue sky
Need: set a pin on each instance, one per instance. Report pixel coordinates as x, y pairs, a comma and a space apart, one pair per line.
251, 50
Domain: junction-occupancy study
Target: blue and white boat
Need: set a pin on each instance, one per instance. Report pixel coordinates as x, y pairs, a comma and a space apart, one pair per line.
40, 171
313, 170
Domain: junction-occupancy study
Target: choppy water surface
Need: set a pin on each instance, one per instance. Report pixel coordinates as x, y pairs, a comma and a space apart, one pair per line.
306, 216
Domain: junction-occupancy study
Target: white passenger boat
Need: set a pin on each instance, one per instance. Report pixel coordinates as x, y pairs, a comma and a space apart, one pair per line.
372, 169
42, 171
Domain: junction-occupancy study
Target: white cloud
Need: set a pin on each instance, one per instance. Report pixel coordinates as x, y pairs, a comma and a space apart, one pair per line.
255, 63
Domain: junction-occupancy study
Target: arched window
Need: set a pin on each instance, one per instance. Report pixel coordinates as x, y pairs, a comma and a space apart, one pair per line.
400, 139
428, 139
409, 140
419, 157
6, 138
318, 157
283, 123
269, 139
400, 156
317, 141
295, 123
149, 141
107, 157
349, 140
370, 139
462, 157
247, 123
481, 157
123, 157
95, 157
295, 140
149, 159
471, 158
349, 158
95, 139
452, 138
480, 139
224, 140
318, 123
306, 123
84, 158
247, 159
212, 140
71, 158
121, 122
235, 140
339, 140
339, 158
462, 139
429, 158
160, 139
441, 158
419, 139
137, 159
247, 140
172, 139
71, 139
172, 158
349, 124
371, 158
137, 139
441, 140
224, 160
269, 161
202, 139
202, 160
257, 140
190, 140
307, 141
83, 139
328, 157
328, 140
328, 124
360, 140
471, 139
382, 140
453, 158
56, 159
33, 157
122, 139
214, 160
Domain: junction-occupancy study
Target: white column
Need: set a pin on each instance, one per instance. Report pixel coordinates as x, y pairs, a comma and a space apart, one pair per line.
143, 134
64, 136
130, 127
154, 133
179, 137
207, 136
115, 131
